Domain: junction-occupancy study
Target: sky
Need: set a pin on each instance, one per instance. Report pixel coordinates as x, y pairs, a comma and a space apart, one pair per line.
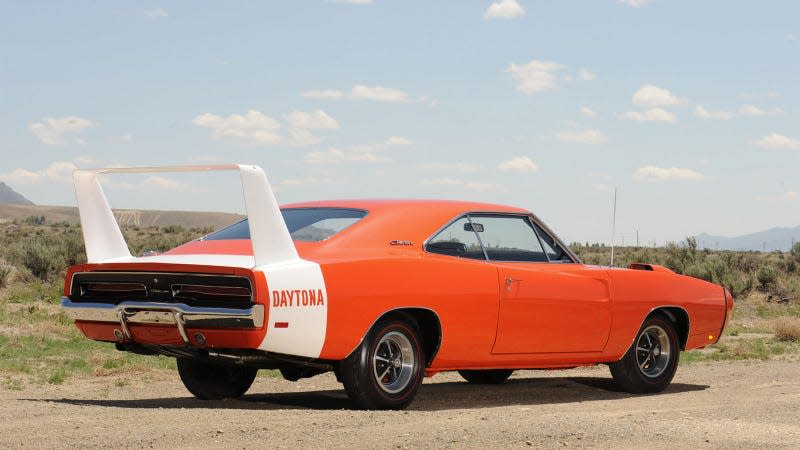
689, 109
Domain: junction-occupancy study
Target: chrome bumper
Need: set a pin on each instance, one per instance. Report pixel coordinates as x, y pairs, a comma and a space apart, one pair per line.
177, 314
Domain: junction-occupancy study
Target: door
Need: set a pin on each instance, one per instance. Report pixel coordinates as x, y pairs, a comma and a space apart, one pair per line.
552, 308
545, 307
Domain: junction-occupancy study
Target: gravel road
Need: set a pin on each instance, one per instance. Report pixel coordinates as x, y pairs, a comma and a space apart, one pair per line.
709, 405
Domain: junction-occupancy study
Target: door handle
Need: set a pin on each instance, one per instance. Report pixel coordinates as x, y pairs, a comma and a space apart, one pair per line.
510, 281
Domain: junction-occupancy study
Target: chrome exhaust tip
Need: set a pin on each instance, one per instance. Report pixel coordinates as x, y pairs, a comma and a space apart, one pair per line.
118, 334
200, 339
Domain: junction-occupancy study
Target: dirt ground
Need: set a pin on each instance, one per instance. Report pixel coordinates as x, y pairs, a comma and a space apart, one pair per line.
709, 405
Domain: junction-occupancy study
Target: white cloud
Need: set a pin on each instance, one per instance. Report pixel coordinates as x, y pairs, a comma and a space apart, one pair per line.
535, 76
634, 3
649, 96
651, 115
325, 94
253, 127
588, 112
778, 142
587, 136
353, 2
443, 181
58, 171
518, 164
378, 94
654, 173
164, 183
361, 92
397, 140
788, 196
504, 9
367, 153
703, 113
791, 37
585, 75
463, 167
335, 156
752, 111
55, 130
156, 13
603, 187
755, 111
300, 123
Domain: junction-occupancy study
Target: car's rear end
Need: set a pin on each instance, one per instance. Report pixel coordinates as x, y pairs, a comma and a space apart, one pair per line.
145, 305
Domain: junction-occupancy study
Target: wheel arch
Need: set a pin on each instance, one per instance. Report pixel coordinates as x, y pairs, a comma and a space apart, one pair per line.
425, 320
679, 318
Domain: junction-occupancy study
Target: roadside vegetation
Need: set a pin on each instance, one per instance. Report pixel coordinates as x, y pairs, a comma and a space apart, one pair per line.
39, 344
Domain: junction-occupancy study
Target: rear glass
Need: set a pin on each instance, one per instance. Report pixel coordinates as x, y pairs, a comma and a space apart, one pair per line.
305, 224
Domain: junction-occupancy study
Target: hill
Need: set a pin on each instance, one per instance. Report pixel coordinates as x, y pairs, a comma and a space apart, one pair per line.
69, 214
10, 196
778, 238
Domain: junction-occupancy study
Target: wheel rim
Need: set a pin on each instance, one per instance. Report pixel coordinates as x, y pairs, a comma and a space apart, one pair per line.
653, 351
393, 362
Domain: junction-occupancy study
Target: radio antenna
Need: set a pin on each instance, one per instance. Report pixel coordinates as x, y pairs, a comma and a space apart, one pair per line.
613, 225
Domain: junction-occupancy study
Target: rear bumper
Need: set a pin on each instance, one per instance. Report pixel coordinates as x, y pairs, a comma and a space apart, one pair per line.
178, 314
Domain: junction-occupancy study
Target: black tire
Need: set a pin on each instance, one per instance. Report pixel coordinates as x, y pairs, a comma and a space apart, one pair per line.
215, 381
650, 364
386, 370
498, 376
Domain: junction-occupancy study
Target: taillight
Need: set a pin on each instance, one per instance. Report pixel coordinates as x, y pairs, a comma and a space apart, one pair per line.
728, 310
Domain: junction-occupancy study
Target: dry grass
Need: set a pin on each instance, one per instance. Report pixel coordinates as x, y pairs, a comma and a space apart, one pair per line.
787, 328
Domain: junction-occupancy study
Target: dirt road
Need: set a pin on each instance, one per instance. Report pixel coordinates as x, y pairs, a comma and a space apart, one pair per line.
730, 405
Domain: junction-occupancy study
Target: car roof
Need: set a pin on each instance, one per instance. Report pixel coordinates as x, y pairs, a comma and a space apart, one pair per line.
418, 205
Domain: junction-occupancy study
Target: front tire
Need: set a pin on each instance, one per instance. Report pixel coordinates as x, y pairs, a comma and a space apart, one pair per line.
650, 364
498, 376
215, 381
386, 370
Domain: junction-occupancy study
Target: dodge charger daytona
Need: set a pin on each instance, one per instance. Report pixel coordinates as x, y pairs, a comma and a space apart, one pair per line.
382, 293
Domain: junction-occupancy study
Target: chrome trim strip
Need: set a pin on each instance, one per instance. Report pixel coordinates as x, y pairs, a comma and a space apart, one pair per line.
178, 314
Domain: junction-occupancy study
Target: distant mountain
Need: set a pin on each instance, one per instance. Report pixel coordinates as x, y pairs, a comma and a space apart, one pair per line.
8, 195
773, 239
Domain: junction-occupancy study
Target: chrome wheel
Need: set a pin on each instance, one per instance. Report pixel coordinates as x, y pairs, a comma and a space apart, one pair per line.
653, 351
393, 362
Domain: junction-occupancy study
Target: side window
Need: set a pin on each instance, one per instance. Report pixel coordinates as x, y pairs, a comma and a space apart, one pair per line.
554, 251
508, 238
458, 239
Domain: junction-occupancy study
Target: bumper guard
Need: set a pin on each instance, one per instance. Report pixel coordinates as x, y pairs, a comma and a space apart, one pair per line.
178, 314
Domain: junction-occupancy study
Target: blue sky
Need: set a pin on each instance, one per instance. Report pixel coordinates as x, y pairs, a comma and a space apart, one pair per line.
688, 107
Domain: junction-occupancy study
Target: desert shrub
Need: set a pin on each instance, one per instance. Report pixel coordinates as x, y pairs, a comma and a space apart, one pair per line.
766, 275
5, 272
787, 329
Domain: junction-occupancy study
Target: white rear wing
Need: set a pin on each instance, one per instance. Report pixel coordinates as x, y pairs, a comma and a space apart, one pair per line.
269, 236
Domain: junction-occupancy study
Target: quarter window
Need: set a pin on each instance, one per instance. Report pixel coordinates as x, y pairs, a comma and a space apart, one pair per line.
458, 239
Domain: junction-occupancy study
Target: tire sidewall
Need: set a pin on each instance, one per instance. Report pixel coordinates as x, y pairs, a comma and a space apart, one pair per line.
662, 380
358, 369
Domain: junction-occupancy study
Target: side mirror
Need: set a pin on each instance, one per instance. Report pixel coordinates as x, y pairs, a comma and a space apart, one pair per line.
447, 248
476, 227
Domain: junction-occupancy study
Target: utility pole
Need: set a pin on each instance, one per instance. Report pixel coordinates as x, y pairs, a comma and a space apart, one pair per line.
637, 238
764, 247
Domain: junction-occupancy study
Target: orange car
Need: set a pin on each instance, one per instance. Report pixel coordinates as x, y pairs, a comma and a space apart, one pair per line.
382, 293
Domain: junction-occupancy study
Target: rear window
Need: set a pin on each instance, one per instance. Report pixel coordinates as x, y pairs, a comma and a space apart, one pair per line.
305, 224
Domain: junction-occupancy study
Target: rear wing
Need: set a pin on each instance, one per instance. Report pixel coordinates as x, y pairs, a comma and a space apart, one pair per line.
269, 236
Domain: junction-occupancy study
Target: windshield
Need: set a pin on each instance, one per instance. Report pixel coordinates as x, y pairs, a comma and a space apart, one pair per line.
305, 224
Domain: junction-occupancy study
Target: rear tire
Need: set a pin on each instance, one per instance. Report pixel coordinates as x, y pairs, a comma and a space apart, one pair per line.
386, 370
498, 376
215, 381
650, 364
